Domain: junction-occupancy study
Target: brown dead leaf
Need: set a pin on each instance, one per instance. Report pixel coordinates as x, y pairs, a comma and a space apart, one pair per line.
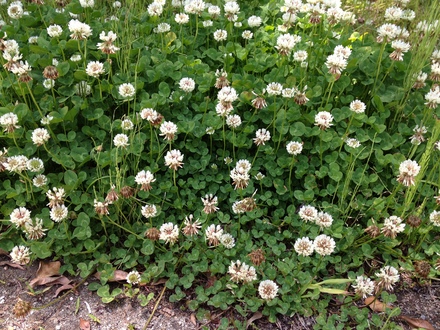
53, 280
417, 323
159, 281
84, 324
119, 275
376, 305
210, 282
256, 316
63, 288
11, 264
193, 319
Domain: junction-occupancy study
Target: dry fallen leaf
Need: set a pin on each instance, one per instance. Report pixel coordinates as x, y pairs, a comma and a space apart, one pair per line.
64, 287
254, 317
193, 319
11, 264
119, 275
376, 305
84, 324
417, 323
48, 268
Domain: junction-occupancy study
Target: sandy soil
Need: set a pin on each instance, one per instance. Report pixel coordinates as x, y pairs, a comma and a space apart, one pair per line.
126, 314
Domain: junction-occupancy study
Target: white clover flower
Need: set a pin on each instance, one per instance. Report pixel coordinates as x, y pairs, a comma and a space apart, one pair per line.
16, 163
227, 95
15, 10
169, 233
300, 56
304, 246
127, 124
214, 11
207, 23
181, 18
40, 136
117, 4
210, 130
393, 14
187, 84
434, 217
227, 240
48, 83
34, 230
392, 226
79, 30
335, 64
220, 35
162, 28
168, 130
261, 136
121, 141
294, 148
408, 170
274, 88
75, 58
387, 32
95, 69
133, 277
35, 165
259, 176
342, 51
254, 21
9, 122
324, 245
324, 220
233, 121
241, 272
194, 7
363, 286
268, 289
357, 106
388, 276
400, 47
87, 3
58, 213
155, 9
56, 197
323, 119
352, 143
20, 216
247, 35
144, 178
308, 213
126, 90
433, 97
20, 255
149, 211
33, 39
286, 42
213, 234
39, 181
174, 159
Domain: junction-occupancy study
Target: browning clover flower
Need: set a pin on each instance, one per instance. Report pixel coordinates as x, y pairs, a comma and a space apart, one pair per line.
213, 234
210, 203
261, 136
268, 289
101, 208
241, 272
323, 119
363, 286
173, 159
144, 178
107, 46
20, 255
392, 226
387, 277
408, 170
34, 229
168, 129
169, 233
191, 226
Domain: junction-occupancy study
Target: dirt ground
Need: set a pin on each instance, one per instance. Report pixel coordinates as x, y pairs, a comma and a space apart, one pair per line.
126, 314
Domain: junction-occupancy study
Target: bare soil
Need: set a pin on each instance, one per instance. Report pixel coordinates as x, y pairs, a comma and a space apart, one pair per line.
126, 314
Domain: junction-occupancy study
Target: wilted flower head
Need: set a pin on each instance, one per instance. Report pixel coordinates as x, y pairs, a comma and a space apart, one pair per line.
268, 289
408, 170
210, 204
387, 277
191, 226
335, 64
363, 286
257, 257
101, 208
213, 234
55, 196
222, 79
400, 47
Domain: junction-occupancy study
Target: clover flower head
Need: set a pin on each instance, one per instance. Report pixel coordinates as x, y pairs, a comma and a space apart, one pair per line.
20, 255
304, 246
267, 289
169, 233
